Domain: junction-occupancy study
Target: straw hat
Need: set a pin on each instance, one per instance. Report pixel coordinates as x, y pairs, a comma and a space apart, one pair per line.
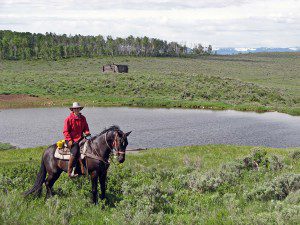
76, 105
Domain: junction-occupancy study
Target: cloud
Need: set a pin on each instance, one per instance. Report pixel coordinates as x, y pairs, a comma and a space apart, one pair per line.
270, 23
121, 4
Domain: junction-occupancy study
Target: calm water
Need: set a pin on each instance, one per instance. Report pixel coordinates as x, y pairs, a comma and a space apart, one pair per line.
155, 127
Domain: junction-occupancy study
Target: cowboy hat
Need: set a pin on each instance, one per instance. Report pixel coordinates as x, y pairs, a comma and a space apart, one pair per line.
76, 105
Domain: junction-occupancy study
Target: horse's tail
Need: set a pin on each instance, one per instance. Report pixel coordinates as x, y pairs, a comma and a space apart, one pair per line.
40, 179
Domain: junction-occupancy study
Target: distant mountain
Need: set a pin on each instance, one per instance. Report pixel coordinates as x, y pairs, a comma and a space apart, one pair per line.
232, 51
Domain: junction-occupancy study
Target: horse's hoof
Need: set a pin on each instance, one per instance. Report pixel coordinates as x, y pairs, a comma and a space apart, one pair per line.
48, 196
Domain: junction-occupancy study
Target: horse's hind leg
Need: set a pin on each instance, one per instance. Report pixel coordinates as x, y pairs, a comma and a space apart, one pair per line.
50, 182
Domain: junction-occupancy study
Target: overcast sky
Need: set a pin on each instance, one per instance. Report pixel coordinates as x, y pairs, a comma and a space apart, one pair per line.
221, 23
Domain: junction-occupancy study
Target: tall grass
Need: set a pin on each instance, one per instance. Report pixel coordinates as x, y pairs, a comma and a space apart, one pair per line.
247, 82
214, 184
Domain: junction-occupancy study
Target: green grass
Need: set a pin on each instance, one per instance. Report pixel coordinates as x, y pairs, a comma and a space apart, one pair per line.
182, 185
254, 82
6, 146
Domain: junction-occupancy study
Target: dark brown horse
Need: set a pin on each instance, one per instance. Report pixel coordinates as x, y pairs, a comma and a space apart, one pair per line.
99, 149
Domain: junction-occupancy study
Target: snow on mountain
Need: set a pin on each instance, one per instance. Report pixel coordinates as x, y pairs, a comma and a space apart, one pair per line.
245, 49
232, 51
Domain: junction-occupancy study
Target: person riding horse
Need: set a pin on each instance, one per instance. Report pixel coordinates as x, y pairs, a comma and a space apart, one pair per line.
75, 126
97, 160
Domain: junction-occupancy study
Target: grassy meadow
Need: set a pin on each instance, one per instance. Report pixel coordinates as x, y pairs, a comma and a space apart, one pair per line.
213, 184
255, 82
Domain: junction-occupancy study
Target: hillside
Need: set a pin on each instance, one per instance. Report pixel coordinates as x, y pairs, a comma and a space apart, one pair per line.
258, 82
214, 184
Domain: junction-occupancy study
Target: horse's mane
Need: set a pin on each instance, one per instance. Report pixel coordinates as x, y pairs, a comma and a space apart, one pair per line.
111, 128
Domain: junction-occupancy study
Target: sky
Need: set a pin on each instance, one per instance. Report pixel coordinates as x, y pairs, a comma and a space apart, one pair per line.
221, 23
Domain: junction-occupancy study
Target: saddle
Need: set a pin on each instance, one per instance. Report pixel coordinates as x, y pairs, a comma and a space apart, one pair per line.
64, 152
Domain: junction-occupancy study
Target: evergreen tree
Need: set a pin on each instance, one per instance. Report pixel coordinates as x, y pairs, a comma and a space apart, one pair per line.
25, 45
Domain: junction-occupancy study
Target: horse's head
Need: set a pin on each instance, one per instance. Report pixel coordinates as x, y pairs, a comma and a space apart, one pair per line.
109, 140
120, 143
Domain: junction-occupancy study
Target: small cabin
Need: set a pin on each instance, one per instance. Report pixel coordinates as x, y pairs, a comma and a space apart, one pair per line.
115, 68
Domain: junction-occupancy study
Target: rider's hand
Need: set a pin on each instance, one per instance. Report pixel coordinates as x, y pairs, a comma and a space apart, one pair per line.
88, 137
70, 143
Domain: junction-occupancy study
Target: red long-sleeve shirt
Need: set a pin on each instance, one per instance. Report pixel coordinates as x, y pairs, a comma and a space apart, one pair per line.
74, 127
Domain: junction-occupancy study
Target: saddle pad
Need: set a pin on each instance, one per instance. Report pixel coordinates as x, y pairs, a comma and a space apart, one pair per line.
64, 153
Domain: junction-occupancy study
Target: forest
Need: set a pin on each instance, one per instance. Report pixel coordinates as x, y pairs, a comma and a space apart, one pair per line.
51, 46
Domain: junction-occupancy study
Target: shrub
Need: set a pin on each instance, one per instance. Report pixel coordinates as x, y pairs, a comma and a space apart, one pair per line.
209, 181
259, 158
145, 204
6, 146
192, 164
230, 172
278, 189
275, 162
295, 154
293, 198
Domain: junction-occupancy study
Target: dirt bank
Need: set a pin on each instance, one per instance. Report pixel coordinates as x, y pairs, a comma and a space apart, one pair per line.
23, 101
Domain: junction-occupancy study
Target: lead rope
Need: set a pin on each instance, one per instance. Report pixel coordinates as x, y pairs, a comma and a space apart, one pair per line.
94, 152
86, 163
87, 177
111, 150
87, 166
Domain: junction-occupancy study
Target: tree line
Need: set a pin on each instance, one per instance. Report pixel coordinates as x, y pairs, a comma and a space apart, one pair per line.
26, 45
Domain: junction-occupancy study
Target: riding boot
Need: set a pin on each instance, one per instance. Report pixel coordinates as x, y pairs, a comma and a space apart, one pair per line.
81, 166
71, 173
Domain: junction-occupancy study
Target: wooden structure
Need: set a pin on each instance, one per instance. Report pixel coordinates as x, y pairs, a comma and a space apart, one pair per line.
115, 68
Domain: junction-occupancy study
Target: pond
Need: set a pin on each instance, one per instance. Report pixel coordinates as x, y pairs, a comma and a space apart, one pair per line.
155, 128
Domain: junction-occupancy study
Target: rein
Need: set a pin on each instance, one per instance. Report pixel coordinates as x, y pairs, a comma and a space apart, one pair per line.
95, 154
115, 143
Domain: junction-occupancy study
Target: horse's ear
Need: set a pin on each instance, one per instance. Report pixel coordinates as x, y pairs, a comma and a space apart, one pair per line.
127, 134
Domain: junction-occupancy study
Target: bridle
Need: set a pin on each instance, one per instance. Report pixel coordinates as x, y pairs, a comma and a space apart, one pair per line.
115, 145
114, 148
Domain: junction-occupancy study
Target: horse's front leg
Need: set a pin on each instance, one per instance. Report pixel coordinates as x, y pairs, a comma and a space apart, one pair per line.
102, 180
94, 177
